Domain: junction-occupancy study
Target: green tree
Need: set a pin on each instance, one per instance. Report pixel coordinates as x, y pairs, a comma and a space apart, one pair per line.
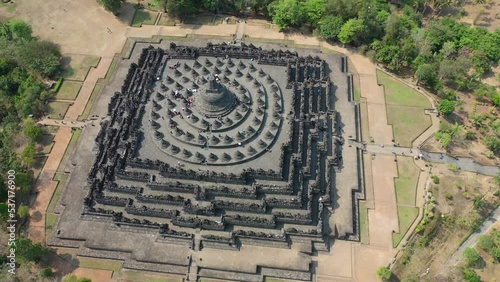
32, 130
111, 5
4, 211
471, 276
313, 11
28, 154
472, 257
74, 278
493, 143
351, 31
41, 57
258, 5
427, 74
486, 243
446, 107
27, 251
24, 181
384, 273
286, 13
17, 30
23, 211
163, 4
177, 8
3, 190
496, 253
330, 27
212, 5
46, 273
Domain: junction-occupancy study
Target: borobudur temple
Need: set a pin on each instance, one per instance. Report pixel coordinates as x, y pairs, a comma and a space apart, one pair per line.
217, 160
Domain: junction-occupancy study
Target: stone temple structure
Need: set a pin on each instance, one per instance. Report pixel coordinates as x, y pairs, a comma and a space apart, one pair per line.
213, 154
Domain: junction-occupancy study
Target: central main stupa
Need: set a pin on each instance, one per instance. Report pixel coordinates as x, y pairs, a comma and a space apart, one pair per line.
215, 100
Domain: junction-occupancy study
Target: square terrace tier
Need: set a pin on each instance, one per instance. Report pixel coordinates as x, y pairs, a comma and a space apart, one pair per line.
208, 152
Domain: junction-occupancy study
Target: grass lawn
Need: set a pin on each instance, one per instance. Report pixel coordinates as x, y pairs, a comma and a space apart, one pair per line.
130, 275
166, 20
38, 165
57, 110
10, 7
355, 79
269, 279
69, 90
50, 221
406, 216
365, 130
399, 94
69, 149
329, 51
264, 40
76, 67
406, 182
168, 37
223, 38
363, 223
90, 102
57, 193
204, 19
405, 109
46, 144
407, 123
144, 17
51, 129
100, 264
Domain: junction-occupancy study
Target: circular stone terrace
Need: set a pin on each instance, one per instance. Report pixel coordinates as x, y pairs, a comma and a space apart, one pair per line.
215, 111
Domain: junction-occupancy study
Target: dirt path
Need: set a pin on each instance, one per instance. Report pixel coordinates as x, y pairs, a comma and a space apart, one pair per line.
45, 186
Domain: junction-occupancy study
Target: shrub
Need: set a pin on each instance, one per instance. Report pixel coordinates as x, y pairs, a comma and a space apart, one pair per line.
493, 143
46, 273
449, 196
496, 253
453, 167
472, 257
363, 49
486, 243
471, 276
74, 278
446, 107
435, 179
384, 273
470, 135
462, 13
372, 56
58, 84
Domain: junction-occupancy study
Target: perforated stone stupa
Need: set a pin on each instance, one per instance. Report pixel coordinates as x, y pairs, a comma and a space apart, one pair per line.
207, 152
215, 100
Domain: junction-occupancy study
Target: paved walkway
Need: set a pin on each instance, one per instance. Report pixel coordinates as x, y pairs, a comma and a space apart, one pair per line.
240, 30
465, 164
45, 186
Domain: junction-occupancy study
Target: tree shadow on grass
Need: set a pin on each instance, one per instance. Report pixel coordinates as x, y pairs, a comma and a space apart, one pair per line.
126, 13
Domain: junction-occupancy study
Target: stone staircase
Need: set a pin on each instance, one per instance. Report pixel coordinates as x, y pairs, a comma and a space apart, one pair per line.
192, 274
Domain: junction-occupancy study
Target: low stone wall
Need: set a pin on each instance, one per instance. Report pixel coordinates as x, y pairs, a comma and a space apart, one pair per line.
104, 253
155, 266
228, 275
286, 274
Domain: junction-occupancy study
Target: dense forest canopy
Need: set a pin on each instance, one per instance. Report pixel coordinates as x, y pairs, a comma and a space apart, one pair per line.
25, 64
